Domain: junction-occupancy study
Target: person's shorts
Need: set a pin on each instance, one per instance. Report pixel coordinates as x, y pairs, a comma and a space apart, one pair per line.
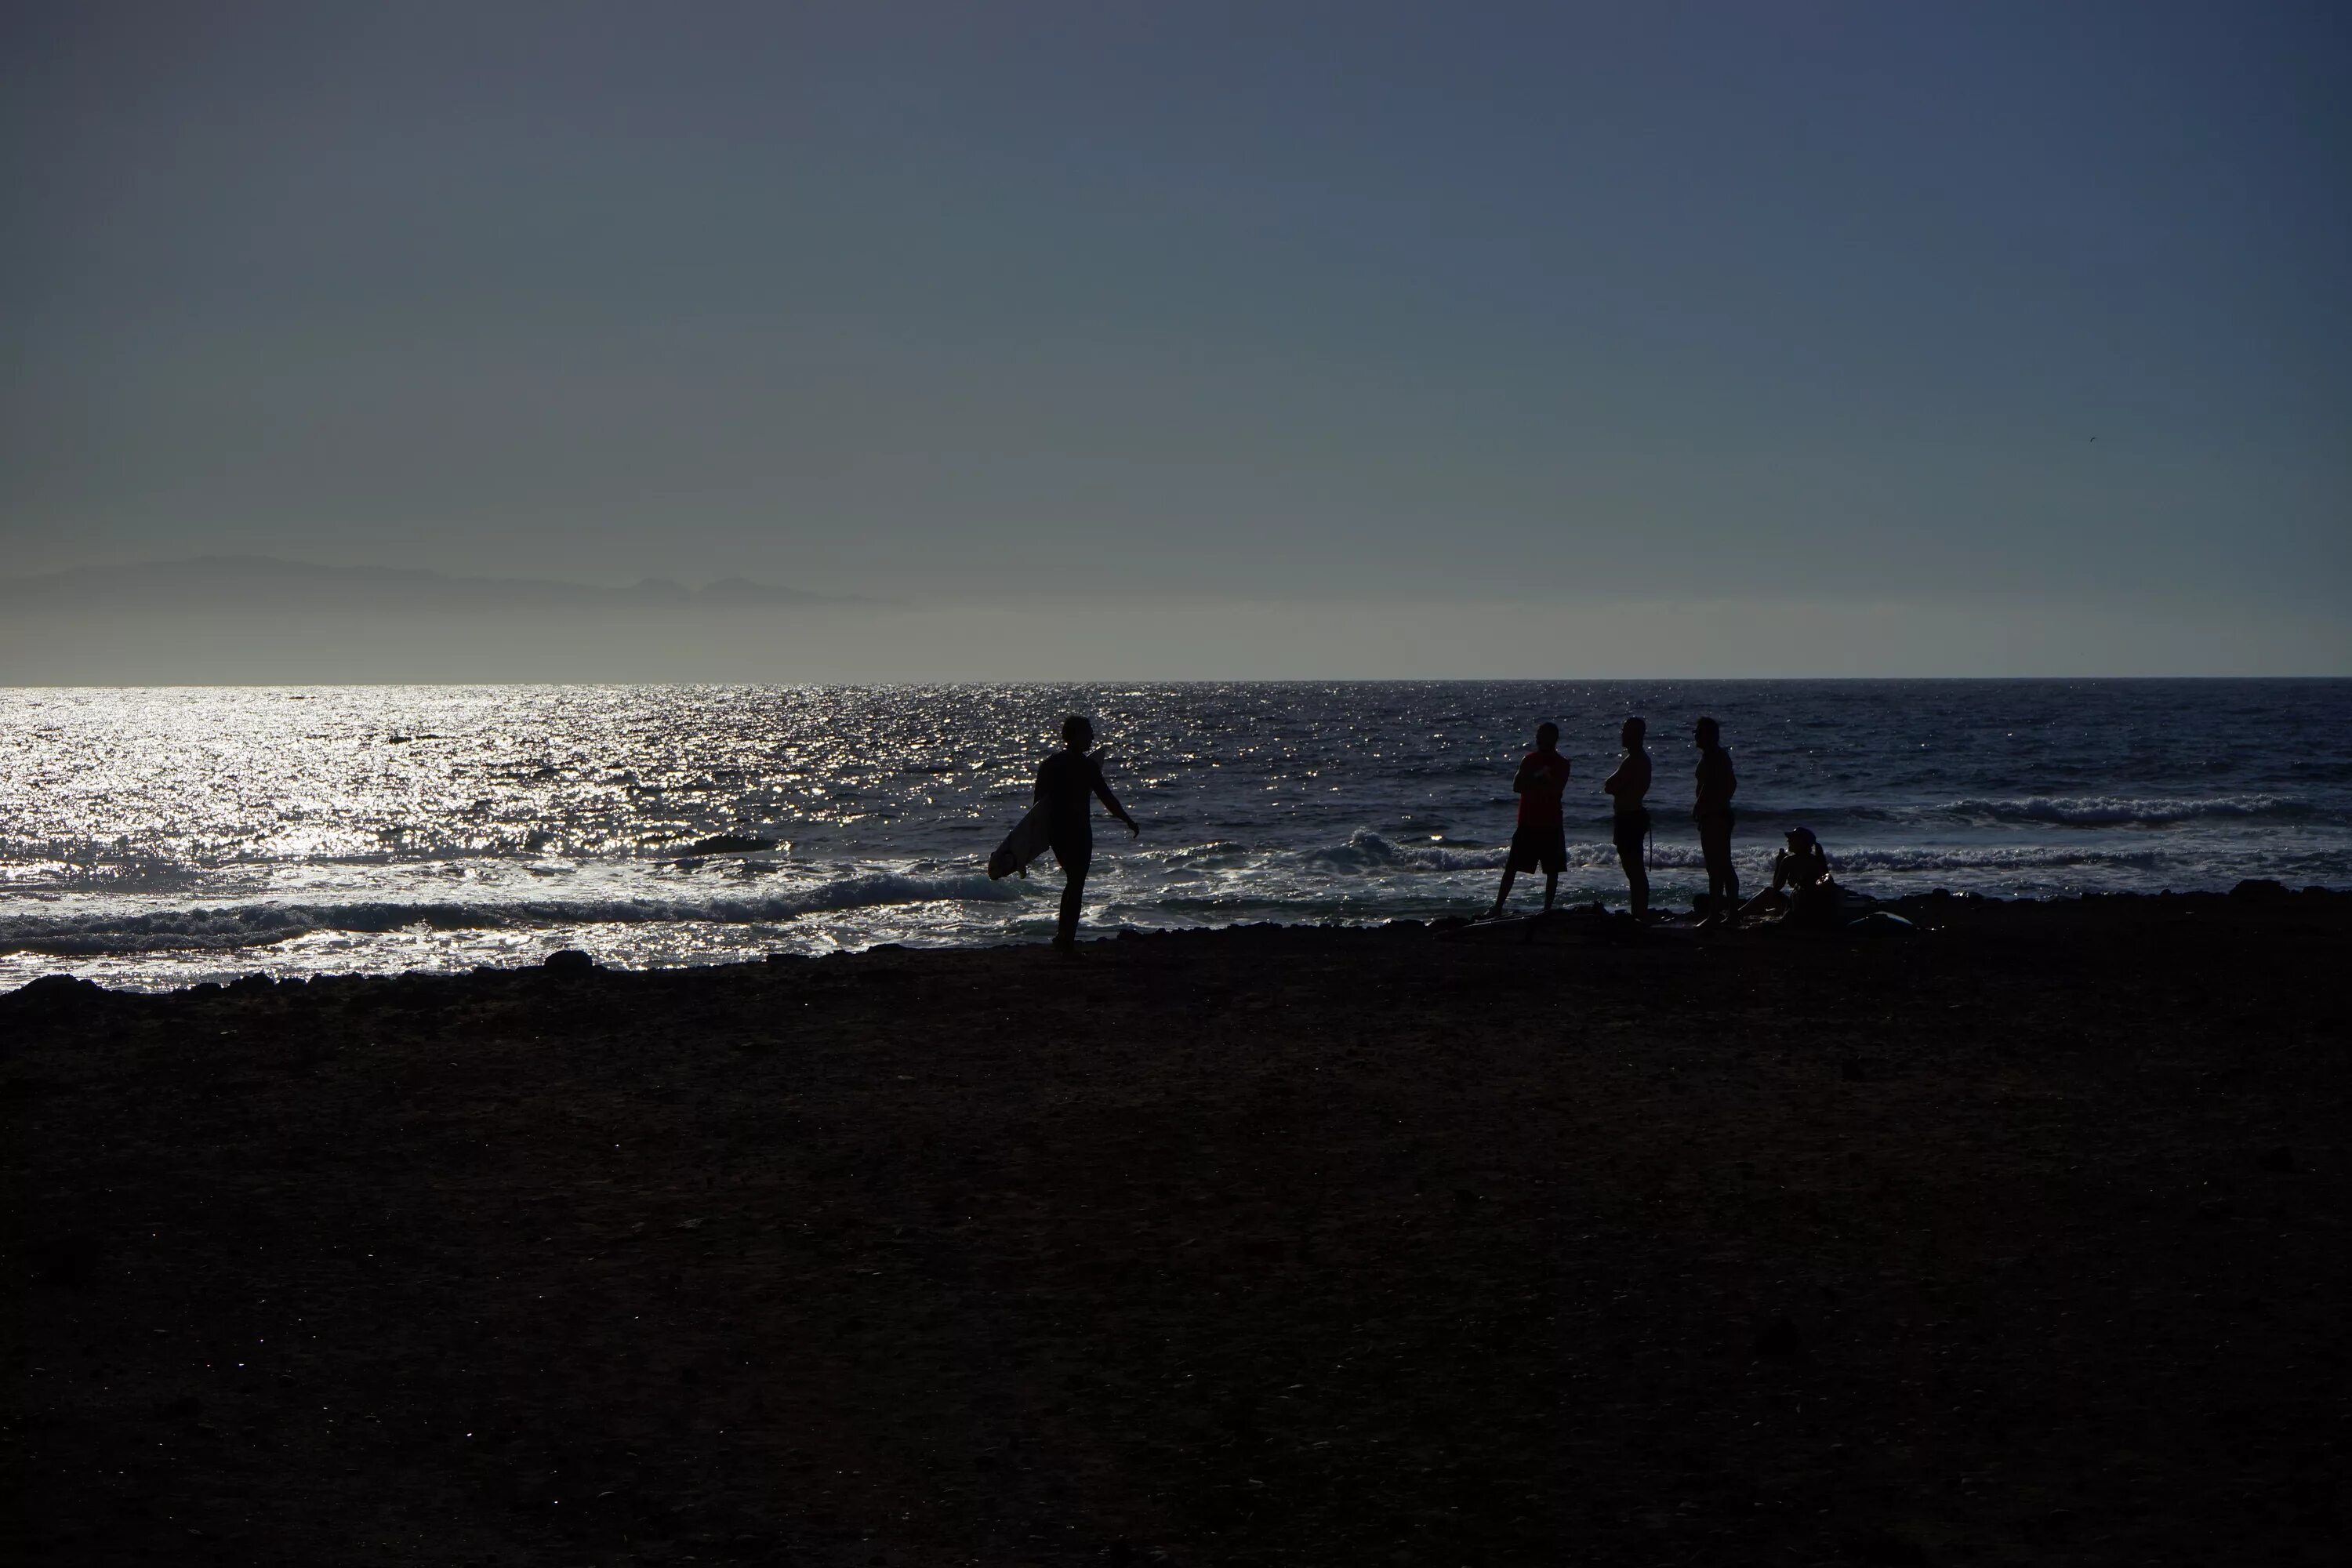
1628, 829
1544, 846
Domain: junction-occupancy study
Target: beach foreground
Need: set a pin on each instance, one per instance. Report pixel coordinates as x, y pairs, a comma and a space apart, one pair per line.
2018, 1240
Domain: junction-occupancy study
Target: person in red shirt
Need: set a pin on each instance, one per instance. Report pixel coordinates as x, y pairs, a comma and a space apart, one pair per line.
1540, 839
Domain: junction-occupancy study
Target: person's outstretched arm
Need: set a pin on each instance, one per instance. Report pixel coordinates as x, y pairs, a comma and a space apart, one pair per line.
1110, 802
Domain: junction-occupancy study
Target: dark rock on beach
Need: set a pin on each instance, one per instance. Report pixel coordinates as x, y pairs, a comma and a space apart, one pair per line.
2021, 1241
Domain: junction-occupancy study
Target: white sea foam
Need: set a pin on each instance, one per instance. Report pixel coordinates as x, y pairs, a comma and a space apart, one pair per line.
1366, 850
2114, 810
260, 924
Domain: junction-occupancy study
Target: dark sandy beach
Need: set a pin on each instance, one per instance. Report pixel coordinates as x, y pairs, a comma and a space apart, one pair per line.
2019, 1240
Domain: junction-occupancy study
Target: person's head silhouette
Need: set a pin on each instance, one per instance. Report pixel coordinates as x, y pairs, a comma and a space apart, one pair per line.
1546, 736
1710, 735
1630, 735
1078, 733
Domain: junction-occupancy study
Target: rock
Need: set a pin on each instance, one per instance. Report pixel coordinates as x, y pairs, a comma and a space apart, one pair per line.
58, 993
2259, 889
248, 984
569, 960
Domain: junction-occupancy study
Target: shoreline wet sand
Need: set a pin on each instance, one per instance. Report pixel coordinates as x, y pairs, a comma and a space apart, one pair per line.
2019, 1240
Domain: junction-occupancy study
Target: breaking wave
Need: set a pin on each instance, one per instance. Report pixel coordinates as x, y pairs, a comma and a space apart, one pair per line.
2114, 810
261, 924
1366, 850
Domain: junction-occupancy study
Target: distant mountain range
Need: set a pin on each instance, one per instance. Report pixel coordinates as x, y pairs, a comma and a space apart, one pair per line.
259, 583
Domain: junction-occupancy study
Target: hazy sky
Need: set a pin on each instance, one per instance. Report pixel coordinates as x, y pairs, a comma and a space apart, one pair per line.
1751, 328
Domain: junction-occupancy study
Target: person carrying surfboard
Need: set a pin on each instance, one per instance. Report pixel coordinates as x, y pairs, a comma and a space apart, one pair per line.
1630, 820
1540, 838
1064, 780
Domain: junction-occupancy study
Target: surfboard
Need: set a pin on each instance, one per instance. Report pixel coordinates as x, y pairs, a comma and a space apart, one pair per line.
1028, 839
1491, 928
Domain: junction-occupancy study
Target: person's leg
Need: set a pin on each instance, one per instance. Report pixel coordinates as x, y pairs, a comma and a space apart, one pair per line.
1075, 865
1722, 881
1510, 874
1627, 835
1503, 893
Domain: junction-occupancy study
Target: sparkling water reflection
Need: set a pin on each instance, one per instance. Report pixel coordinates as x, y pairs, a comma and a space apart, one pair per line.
151, 837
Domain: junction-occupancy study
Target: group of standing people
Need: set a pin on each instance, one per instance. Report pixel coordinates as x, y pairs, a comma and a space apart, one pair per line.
1071, 779
1540, 840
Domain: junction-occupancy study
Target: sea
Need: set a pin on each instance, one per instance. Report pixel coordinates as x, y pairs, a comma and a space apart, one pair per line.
152, 838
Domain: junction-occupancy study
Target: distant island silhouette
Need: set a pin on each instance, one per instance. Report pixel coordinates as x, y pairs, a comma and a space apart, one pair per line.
247, 583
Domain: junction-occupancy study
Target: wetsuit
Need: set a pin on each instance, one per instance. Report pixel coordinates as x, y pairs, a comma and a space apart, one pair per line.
1064, 780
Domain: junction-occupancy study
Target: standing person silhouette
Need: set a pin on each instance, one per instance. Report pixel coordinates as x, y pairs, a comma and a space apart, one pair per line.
1630, 818
1064, 780
1540, 838
1717, 785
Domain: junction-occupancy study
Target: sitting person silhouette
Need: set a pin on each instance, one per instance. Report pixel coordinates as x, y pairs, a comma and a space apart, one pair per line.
1802, 892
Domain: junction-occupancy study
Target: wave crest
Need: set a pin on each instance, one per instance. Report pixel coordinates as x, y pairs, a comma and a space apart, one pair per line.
261, 924
2116, 811
1366, 850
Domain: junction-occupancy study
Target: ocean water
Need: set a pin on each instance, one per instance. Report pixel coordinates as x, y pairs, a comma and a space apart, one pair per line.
151, 839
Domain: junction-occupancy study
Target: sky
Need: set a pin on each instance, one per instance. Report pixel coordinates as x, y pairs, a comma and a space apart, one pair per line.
1167, 340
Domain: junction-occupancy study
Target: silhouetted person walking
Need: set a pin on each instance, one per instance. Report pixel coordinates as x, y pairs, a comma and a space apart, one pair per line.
1540, 838
1630, 820
1064, 780
1717, 785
